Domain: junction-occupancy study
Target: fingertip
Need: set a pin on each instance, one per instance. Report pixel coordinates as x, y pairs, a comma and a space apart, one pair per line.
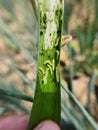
47, 125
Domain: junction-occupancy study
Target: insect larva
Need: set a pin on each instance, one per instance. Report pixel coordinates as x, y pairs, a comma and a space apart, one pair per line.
41, 70
57, 74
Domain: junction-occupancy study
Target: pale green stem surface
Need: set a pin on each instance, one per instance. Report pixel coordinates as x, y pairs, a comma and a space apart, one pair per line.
47, 100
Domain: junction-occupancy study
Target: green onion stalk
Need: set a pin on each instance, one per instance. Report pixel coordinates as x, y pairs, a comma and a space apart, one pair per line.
47, 99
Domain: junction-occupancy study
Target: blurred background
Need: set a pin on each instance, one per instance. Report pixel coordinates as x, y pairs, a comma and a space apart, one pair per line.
79, 67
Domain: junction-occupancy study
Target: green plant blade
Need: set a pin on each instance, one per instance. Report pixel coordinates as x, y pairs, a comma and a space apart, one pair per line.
47, 100
85, 113
15, 95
